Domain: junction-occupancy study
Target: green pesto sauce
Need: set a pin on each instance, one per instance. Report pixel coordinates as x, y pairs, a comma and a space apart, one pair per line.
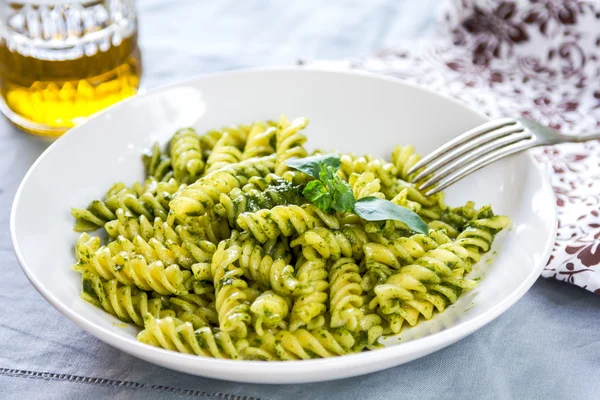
226, 282
200, 340
273, 141
88, 287
252, 204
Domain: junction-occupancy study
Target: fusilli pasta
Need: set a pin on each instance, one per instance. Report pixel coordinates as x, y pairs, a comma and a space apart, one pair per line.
186, 155
158, 165
284, 220
290, 142
125, 302
150, 199
220, 252
193, 200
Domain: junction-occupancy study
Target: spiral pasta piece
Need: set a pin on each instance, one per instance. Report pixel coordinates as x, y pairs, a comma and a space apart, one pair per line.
435, 280
124, 302
134, 263
430, 207
259, 193
174, 334
263, 347
186, 155
451, 220
169, 252
209, 139
129, 227
296, 177
365, 184
309, 309
274, 190
216, 228
403, 158
269, 310
306, 344
332, 244
345, 293
290, 142
156, 198
186, 246
195, 309
479, 233
382, 170
93, 217
383, 259
231, 298
158, 165
401, 199
151, 200
284, 220
301, 344
225, 152
193, 200
99, 212
261, 141
270, 271
399, 310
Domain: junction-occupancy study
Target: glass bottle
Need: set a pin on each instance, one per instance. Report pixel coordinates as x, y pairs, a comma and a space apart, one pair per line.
61, 61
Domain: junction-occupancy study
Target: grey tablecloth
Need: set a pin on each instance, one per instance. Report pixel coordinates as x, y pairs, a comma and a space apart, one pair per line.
531, 352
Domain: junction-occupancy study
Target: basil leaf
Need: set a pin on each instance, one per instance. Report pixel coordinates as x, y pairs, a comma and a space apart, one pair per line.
342, 197
313, 165
326, 175
343, 200
329, 191
375, 209
317, 193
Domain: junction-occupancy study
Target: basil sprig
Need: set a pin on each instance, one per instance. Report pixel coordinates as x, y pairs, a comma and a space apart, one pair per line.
329, 192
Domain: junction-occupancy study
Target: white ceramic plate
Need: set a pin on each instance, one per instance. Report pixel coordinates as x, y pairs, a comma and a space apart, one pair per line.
348, 112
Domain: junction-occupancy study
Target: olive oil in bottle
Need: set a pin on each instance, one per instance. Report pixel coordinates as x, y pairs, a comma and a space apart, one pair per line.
61, 61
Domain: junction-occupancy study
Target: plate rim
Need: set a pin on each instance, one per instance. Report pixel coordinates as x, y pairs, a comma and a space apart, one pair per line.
287, 372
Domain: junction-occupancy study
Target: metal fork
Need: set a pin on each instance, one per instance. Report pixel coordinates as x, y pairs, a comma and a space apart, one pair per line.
481, 146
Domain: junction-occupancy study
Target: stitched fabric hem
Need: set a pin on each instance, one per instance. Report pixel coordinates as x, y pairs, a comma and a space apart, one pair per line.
52, 376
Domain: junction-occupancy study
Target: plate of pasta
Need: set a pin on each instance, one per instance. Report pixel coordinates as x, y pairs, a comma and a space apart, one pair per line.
261, 226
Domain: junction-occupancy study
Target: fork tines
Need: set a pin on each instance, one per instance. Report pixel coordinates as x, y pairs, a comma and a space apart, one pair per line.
469, 152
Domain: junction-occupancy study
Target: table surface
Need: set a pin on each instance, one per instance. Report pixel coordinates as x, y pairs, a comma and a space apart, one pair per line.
546, 346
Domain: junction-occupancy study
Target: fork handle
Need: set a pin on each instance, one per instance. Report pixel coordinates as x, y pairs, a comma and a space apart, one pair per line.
559, 138
546, 135
582, 138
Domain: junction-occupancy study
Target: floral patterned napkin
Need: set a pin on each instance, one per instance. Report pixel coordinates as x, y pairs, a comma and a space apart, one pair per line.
538, 59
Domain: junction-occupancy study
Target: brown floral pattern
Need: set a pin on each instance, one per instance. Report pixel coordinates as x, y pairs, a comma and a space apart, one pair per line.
538, 59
